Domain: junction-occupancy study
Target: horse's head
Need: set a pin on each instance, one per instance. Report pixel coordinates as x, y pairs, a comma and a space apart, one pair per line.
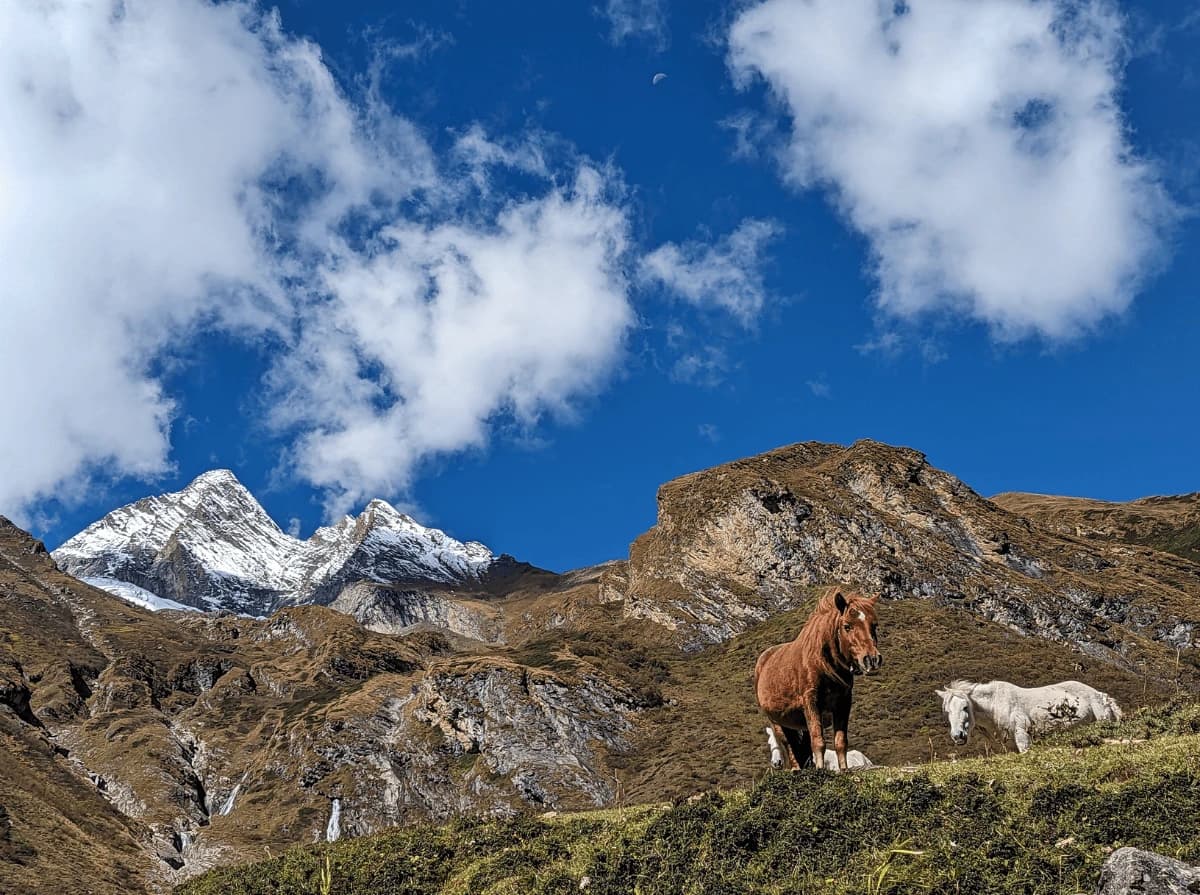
858, 632
961, 714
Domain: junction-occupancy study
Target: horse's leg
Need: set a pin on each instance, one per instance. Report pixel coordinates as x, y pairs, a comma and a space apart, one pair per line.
816, 736
1021, 735
799, 746
841, 727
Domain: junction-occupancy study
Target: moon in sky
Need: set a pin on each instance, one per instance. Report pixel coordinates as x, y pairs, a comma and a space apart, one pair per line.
661, 76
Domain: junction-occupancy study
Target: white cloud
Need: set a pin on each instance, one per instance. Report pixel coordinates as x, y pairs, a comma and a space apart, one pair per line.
132, 140
754, 134
440, 328
641, 19
169, 167
978, 145
725, 275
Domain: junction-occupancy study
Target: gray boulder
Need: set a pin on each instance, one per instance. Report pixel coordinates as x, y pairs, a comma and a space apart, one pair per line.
1131, 871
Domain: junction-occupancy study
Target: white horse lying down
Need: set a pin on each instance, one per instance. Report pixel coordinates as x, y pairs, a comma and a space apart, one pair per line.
1012, 713
854, 758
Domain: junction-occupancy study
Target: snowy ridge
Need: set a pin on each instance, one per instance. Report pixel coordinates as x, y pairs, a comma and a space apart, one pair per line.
212, 546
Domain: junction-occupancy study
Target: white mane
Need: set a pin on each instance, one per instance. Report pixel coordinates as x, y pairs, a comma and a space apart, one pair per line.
960, 688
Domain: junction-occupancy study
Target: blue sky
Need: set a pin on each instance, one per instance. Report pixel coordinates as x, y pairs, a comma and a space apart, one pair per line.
768, 246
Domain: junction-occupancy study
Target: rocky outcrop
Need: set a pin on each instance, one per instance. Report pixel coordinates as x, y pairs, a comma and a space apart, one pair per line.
397, 610
541, 735
1131, 871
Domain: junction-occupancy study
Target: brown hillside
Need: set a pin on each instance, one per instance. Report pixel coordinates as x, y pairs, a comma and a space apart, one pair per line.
55, 827
704, 729
1170, 524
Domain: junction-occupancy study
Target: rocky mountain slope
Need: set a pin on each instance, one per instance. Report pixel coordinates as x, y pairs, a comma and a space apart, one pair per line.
174, 741
212, 546
148, 746
734, 544
1171, 524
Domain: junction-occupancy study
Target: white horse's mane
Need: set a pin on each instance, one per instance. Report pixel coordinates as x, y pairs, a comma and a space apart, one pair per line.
961, 686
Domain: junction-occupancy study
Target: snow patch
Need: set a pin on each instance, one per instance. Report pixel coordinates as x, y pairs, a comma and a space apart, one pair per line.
138, 596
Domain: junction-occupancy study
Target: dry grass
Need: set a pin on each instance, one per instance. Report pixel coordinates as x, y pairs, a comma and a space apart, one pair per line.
1171, 524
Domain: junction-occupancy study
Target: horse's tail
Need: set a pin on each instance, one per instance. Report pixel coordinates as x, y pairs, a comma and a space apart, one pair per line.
1114, 710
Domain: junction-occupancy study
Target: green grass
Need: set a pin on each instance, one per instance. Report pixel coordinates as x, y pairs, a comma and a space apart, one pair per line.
1035, 823
709, 732
1179, 717
1184, 542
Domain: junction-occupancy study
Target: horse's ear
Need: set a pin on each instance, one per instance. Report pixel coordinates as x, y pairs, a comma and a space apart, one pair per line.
839, 601
874, 599
941, 693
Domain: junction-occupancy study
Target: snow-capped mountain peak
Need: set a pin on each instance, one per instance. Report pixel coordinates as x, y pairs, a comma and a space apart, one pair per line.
216, 478
211, 545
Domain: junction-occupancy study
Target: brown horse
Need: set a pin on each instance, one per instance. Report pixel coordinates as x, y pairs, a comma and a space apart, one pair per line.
800, 684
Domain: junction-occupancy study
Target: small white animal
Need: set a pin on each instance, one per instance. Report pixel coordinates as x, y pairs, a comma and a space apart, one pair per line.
854, 758
1013, 713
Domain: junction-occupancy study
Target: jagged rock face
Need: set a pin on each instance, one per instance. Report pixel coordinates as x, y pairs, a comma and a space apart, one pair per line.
212, 546
537, 733
733, 545
479, 737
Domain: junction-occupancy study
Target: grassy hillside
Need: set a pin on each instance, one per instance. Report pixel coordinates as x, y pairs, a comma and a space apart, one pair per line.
1040, 822
1170, 524
704, 729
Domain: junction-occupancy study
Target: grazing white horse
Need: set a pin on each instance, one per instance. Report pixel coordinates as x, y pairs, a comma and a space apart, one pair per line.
854, 758
1012, 713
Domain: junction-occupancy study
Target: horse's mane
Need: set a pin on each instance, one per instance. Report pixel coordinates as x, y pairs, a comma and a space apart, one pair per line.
961, 686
